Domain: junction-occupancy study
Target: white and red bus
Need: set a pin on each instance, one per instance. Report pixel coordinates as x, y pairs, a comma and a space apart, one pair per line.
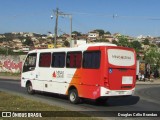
91, 71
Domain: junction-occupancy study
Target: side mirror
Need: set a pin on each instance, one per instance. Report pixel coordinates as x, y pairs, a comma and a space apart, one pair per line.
31, 68
25, 64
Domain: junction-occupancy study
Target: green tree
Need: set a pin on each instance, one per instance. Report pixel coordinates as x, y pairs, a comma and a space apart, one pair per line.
2, 40
77, 33
115, 42
21, 38
123, 41
158, 45
154, 45
136, 45
108, 33
146, 41
101, 40
101, 32
9, 36
6, 51
28, 42
66, 44
152, 56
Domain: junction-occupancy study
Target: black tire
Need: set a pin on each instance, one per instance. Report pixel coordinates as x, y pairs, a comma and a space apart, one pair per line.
30, 89
73, 96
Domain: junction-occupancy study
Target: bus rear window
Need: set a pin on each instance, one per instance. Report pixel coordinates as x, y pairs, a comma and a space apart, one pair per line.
91, 59
119, 57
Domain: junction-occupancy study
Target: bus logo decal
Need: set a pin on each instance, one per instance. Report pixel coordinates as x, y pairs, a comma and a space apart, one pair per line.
54, 74
58, 74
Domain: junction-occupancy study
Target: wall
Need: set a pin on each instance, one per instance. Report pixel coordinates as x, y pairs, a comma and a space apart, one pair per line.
11, 63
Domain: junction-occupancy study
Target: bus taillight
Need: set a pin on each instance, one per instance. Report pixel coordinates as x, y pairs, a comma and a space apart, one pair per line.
106, 84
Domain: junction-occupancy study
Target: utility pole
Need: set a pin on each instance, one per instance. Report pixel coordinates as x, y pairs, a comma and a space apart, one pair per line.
70, 16
56, 27
7, 46
57, 14
71, 31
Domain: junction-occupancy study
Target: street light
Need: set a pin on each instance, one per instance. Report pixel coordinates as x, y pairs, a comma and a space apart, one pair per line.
51, 16
55, 29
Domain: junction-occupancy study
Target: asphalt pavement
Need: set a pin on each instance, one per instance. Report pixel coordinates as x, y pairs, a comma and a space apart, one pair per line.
146, 98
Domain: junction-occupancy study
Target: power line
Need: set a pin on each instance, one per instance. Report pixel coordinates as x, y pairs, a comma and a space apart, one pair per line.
23, 15
57, 13
85, 14
80, 24
116, 16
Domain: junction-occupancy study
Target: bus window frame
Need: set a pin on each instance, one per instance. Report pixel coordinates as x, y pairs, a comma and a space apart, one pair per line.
40, 59
68, 59
26, 66
92, 52
52, 65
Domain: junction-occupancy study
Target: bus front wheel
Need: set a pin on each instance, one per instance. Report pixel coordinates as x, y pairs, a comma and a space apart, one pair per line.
73, 96
30, 88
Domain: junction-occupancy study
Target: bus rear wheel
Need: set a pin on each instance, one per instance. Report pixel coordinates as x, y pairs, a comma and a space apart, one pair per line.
73, 96
30, 89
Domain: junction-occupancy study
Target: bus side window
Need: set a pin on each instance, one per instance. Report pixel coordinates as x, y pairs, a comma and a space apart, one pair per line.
30, 62
45, 60
74, 59
91, 59
58, 59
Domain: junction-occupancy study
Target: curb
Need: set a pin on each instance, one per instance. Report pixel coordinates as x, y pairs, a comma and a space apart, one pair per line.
10, 77
148, 83
154, 82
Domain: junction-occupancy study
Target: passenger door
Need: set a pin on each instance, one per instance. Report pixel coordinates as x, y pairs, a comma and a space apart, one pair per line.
28, 72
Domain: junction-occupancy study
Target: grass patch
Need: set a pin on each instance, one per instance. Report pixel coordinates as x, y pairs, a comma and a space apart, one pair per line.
17, 103
9, 74
9, 102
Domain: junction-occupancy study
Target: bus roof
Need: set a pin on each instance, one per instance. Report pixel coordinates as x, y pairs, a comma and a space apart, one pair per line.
81, 47
97, 44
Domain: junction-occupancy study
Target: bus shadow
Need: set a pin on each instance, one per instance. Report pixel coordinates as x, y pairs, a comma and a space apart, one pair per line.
123, 101
117, 101
52, 95
112, 101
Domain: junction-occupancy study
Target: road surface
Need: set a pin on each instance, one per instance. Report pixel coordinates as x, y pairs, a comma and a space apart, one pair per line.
146, 98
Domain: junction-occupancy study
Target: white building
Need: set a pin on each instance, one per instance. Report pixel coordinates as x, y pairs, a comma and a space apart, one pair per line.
93, 34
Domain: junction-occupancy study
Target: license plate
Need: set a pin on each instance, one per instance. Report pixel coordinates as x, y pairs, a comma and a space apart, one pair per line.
121, 92
127, 80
